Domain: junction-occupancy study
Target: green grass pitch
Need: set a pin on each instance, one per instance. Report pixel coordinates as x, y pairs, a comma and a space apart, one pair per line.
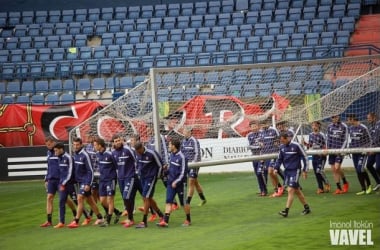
233, 218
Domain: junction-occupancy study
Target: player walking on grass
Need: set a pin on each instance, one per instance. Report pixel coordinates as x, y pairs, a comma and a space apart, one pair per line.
291, 154
317, 141
126, 174
52, 182
254, 141
177, 183
372, 119
192, 151
269, 139
150, 167
337, 138
107, 179
84, 175
66, 185
360, 138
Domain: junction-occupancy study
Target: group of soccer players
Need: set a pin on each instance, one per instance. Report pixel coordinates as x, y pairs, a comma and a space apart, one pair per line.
265, 139
135, 166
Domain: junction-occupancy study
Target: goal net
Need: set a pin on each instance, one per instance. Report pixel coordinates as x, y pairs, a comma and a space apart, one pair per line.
219, 102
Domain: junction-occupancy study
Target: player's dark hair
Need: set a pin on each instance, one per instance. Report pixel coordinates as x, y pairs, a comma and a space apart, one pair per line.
50, 138
101, 142
59, 145
284, 135
352, 116
77, 139
138, 145
176, 143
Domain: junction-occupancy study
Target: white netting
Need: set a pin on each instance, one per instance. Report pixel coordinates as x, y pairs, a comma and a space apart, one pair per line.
219, 102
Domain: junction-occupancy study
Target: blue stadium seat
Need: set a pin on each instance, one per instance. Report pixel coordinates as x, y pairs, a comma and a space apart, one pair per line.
260, 29
333, 24
64, 68
160, 10
291, 54
218, 58
67, 16
133, 12
27, 88
196, 46
342, 37
324, 87
245, 30
196, 21
147, 62
4, 56
189, 34
231, 31
204, 59
101, 27
225, 44
266, 16
14, 88
300, 73
22, 70
52, 99
107, 38
106, 65
324, 11
81, 15
224, 19
142, 24
253, 42
295, 88
72, 53
121, 13
311, 3
68, 85
267, 42
187, 9
133, 37
66, 41
288, 27
30, 55
154, 49
317, 25
306, 53
168, 48
147, 11
280, 15
247, 56
8, 99
250, 90
312, 39
210, 20
16, 55
128, 25
282, 41
20, 30
40, 42
55, 85
284, 4
27, 17
284, 73
210, 46
14, 18
78, 67
338, 10
148, 36
74, 28
120, 65
67, 98
200, 8
25, 42
239, 43
93, 14
85, 53
23, 99
327, 38
50, 69
303, 26
92, 67
98, 84
297, 40
175, 60
11, 43
141, 49
41, 16
106, 14
155, 23
274, 28
37, 99
57, 54
252, 17
238, 18
255, 5
316, 72
47, 29
121, 38
189, 60
214, 7
80, 40
162, 36
114, 26
83, 85
217, 32
126, 82
228, 6
294, 14
309, 12
45, 54
203, 33
161, 61
353, 10
182, 47
269, 4
127, 50
36, 70
41, 87
61, 29
112, 83
276, 55
348, 23
113, 51
99, 52
262, 56
183, 22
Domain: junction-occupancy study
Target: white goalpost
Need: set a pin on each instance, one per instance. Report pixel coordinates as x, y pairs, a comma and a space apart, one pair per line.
218, 102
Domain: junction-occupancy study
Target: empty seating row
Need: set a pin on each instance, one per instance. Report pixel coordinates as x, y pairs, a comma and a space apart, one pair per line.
38, 42
340, 38
154, 24
50, 99
266, 9
53, 69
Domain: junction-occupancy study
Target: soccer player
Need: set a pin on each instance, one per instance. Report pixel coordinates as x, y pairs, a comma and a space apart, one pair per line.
66, 185
164, 155
269, 139
376, 143
291, 154
107, 179
282, 126
337, 137
150, 167
177, 182
254, 140
360, 138
52, 182
126, 174
83, 173
317, 140
372, 119
192, 151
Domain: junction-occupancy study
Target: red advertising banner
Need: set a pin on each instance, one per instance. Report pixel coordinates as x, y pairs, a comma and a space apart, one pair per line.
29, 125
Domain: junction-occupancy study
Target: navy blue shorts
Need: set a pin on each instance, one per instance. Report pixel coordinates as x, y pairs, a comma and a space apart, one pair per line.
193, 172
335, 159
180, 189
292, 178
148, 186
107, 188
83, 192
52, 186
